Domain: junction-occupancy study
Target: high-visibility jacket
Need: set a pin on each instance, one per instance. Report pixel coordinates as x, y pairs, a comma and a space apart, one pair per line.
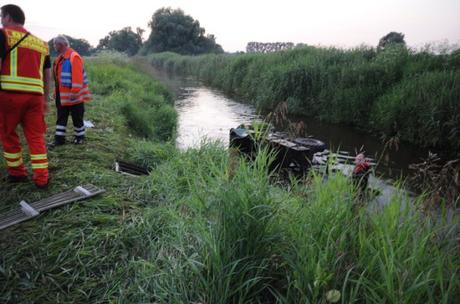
22, 68
71, 79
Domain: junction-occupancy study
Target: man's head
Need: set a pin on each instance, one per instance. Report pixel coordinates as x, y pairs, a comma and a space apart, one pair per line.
12, 15
61, 44
360, 159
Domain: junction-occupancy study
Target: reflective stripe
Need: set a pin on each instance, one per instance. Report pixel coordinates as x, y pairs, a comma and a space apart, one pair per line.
59, 133
13, 164
15, 83
40, 166
25, 80
12, 155
81, 92
42, 65
35, 50
18, 87
71, 92
79, 133
80, 129
59, 127
14, 63
38, 156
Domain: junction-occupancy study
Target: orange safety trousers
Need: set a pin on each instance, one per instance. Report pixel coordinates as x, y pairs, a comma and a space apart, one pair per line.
26, 110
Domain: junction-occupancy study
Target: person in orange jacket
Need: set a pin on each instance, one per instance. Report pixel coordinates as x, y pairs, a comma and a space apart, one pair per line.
24, 79
71, 90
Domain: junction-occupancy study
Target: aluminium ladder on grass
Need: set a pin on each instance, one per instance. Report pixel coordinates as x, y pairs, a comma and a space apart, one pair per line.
27, 211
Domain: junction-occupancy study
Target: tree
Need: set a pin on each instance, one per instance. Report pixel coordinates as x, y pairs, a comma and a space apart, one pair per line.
124, 40
174, 31
392, 38
82, 46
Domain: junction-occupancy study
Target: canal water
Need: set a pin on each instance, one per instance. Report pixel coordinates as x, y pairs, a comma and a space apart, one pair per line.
207, 114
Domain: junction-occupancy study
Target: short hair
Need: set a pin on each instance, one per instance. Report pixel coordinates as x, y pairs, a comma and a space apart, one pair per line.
15, 12
61, 39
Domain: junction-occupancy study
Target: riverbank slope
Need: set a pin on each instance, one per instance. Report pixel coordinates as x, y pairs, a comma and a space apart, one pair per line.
206, 229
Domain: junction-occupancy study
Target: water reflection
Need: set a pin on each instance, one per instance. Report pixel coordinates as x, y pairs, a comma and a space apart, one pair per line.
204, 113
207, 113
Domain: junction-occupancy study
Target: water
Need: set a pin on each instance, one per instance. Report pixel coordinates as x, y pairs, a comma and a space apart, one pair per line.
206, 113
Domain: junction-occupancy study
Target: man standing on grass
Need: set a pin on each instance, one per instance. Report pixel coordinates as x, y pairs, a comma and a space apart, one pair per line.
24, 79
71, 91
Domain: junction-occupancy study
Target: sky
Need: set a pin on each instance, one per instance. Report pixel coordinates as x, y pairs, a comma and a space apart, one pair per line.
341, 23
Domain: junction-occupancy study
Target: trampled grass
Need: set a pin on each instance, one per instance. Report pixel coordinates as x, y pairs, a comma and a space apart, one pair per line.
202, 230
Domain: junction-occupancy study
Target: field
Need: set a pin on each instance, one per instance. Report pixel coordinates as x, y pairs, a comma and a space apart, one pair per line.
396, 93
206, 228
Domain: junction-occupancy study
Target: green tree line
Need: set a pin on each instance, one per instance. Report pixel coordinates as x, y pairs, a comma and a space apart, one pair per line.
171, 30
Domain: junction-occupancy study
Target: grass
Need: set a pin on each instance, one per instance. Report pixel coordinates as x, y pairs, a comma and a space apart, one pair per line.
203, 228
396, 92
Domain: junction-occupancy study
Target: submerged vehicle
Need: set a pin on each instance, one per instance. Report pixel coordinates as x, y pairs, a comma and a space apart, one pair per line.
298, 155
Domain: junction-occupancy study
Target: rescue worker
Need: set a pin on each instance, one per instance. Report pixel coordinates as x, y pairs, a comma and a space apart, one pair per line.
71, 91
24, 79
361, 172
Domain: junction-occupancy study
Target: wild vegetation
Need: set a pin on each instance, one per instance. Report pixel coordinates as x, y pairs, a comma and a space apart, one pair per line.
203, 228
124, 40
174, 31
395, 92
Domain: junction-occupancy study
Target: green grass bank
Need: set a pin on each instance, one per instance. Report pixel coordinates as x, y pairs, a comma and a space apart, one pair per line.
394, 93
203, 228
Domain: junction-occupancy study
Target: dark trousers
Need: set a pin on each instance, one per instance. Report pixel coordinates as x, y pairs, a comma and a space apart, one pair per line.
77, 112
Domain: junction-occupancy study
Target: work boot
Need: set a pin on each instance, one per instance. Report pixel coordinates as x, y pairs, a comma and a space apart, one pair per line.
79, 141
55, 144
42, 186
58, 141
16, 179
41, 178
41, 182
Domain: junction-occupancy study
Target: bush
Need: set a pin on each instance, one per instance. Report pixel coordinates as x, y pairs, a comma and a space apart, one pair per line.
423, 109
